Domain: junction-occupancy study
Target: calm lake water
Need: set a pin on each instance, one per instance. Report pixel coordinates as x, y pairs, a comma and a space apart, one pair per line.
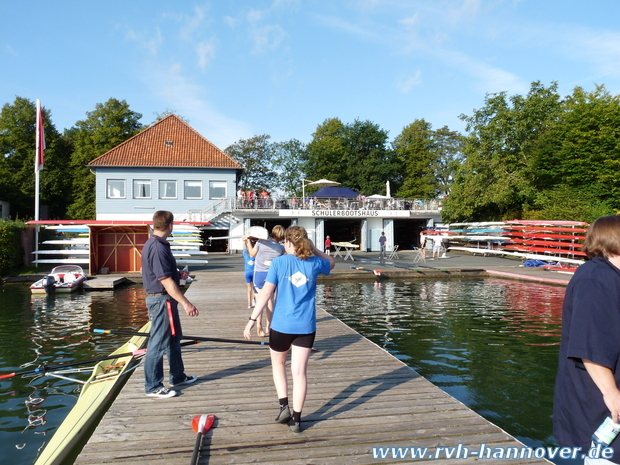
491, 343
38, 330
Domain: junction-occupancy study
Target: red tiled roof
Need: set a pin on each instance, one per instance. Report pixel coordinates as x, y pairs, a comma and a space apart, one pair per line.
170, 142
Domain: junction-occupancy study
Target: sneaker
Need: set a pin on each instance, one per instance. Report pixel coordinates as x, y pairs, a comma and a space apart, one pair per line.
294, 425
284, 416
162, 392
188, 380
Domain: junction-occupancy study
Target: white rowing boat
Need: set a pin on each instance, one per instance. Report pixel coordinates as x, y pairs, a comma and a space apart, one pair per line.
95, 398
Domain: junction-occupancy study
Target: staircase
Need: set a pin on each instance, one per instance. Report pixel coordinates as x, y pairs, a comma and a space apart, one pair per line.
214, 211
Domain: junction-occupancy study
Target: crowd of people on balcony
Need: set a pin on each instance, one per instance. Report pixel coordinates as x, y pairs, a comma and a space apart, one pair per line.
250, 199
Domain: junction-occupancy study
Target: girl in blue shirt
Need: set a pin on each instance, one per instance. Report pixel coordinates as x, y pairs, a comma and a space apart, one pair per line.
293, 324
249, 270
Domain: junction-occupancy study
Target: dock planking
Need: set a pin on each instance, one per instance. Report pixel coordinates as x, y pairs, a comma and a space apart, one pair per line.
359, 396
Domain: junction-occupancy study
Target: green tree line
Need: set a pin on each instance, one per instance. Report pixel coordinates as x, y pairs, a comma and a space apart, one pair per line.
533, 156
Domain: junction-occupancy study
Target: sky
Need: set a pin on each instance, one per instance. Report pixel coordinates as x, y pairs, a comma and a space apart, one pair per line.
239, 68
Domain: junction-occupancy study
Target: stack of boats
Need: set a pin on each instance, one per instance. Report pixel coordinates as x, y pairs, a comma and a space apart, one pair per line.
558, 243
72, 245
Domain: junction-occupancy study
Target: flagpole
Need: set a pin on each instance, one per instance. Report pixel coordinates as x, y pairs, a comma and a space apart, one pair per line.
37, 170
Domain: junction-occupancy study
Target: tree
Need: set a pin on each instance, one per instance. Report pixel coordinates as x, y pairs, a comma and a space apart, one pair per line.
581, 148
257, 156
167, 112
326, 151
568, 204
448, 155
414, 147
369, 162
17, 177
110, 124
498, 176
356, 155
289, 160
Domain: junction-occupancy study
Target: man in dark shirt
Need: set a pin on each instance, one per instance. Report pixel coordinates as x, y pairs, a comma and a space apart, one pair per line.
160, 277
586, 388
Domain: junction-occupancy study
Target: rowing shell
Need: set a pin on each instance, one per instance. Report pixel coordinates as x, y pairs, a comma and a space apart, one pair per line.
95, 398
257, 232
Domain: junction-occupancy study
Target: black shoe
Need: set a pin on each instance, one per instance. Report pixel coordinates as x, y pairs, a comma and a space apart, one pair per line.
284, 416
294, 425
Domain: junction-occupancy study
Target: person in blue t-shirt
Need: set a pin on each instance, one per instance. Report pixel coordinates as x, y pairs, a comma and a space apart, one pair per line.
586, 387
293, 323
249, 270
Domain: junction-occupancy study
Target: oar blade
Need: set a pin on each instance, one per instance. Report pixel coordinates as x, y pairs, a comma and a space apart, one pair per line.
202, 423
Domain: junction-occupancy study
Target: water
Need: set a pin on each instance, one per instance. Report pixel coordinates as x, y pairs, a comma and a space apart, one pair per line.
37, 330
492, 344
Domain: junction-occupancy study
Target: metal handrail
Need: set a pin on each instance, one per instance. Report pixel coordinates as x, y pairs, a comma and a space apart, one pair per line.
230, 204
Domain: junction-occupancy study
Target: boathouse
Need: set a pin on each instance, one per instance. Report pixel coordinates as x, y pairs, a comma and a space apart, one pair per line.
170, 166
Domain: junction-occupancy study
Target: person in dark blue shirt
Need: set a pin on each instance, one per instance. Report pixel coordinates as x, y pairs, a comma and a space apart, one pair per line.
160, 278
586, 388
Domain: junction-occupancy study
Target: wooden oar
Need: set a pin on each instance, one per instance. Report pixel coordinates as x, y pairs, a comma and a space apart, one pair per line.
195, 338
46, 368
201, 424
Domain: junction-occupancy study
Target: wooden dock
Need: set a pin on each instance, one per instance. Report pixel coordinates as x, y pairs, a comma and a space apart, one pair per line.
359, 397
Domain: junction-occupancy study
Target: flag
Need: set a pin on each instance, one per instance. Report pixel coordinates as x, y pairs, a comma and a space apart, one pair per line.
40, 145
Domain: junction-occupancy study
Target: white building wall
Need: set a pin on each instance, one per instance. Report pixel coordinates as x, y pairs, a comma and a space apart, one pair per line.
309, 225
375, 226
130, 207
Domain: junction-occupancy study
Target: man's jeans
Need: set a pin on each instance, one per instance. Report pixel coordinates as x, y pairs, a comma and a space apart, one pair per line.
161, 341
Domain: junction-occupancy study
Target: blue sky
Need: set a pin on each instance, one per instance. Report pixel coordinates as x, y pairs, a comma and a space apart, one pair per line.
238, 68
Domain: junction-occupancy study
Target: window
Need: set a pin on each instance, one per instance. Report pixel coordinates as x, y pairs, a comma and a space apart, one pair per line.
116, 189
167, 189
141, 188
217, 189
193, 189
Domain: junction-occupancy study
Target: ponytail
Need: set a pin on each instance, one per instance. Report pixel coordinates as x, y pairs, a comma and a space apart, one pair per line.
297, 236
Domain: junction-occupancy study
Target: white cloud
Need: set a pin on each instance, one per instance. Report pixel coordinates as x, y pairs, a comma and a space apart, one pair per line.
254, 16
264, 36
232, 22
405, 83
205, 52
345, 26
465, 11
150, 44
187, 99
10, 50
192, 23
267, 37
488, 78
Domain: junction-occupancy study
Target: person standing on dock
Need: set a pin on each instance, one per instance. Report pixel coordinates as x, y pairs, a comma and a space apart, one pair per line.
160, 277
328, 245
586, 387
263, 252
293, 326
382, 240
249, 270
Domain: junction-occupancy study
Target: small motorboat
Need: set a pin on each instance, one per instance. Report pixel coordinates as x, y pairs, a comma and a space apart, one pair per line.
65, 278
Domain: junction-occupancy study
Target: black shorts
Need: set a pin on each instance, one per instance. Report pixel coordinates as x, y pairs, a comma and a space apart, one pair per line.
281, 342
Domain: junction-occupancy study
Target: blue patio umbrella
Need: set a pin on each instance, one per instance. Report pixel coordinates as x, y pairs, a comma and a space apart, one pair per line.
335, 192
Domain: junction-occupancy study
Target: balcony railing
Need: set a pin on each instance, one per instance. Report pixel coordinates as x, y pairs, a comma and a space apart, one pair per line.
332, 203
228, 205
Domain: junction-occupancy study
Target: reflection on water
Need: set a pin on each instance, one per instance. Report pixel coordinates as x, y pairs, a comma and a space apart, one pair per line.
42, 330
491, 343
